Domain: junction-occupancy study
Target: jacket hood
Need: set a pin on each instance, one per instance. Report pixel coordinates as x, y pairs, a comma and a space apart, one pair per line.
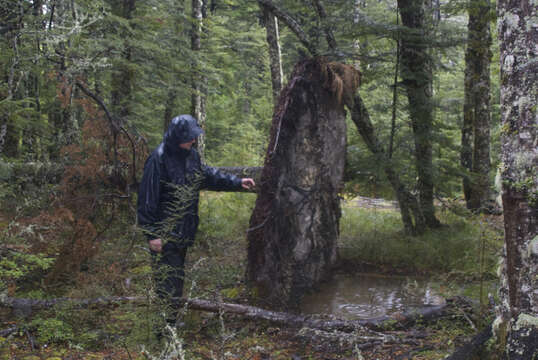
182, 129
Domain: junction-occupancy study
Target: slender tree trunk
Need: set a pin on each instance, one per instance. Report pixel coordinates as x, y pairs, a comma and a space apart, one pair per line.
395, 89
294, 225
324, 24
466, 154
411, 212
356, 42
9, 142
417, 80
169, 107
123, 80
198, 99
476, 108
275, 58
519, 87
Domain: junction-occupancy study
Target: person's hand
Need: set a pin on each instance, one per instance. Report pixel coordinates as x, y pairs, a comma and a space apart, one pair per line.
247, 183
156, 245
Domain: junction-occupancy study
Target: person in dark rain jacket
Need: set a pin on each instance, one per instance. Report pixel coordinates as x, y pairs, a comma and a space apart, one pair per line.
168, 203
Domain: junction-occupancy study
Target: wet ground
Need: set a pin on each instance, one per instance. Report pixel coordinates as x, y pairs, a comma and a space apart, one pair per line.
361, 296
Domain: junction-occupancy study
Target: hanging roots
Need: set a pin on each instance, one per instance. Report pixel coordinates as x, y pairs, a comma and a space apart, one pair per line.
342, 80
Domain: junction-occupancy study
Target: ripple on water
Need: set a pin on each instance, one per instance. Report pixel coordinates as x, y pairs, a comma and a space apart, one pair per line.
366, 296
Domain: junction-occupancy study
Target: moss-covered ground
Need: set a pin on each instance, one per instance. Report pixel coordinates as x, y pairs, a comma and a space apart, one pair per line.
461, 257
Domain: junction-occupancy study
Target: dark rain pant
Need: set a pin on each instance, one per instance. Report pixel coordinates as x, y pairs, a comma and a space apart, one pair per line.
169, 274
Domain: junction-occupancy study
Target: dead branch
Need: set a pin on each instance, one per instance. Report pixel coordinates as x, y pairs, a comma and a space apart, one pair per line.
290, 22
326, 28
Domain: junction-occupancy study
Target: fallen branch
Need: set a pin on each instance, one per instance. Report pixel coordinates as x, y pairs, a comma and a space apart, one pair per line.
290, 22
10, 330
400, 320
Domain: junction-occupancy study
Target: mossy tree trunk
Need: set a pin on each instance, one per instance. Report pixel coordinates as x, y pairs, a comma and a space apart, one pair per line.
476, 110
294, 225
417, 80
519, 86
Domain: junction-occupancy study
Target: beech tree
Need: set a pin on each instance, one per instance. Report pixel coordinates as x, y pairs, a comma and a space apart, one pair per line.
475, 138
517, 322
417, 79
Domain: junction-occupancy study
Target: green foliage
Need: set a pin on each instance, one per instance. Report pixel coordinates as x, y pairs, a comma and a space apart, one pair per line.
141, 64
15, 266
52, 330
376, 237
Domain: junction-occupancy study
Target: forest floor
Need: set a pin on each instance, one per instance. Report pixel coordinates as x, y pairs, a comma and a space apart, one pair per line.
210, 336
215, 269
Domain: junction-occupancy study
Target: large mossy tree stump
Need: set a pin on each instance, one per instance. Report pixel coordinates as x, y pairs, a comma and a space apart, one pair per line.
293, 229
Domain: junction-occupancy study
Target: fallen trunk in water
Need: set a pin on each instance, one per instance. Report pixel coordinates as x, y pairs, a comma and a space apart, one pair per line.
399, 320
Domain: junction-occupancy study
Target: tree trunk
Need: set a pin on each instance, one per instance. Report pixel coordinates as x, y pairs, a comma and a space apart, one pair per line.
198, 99
417, 80
294, 225
519, 87
395, 88
10, 134
411, 212
476, 114
322, 14
275, 58
123, 79
466, 153
169, 107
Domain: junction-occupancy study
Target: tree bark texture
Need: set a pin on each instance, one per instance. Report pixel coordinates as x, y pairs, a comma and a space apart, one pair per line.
466, 152
476, 112
519, 86
294, 225
275, 58
410, 209
417, 80
395, 89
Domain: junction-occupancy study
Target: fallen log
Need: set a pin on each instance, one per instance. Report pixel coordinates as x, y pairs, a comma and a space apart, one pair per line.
400, 320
